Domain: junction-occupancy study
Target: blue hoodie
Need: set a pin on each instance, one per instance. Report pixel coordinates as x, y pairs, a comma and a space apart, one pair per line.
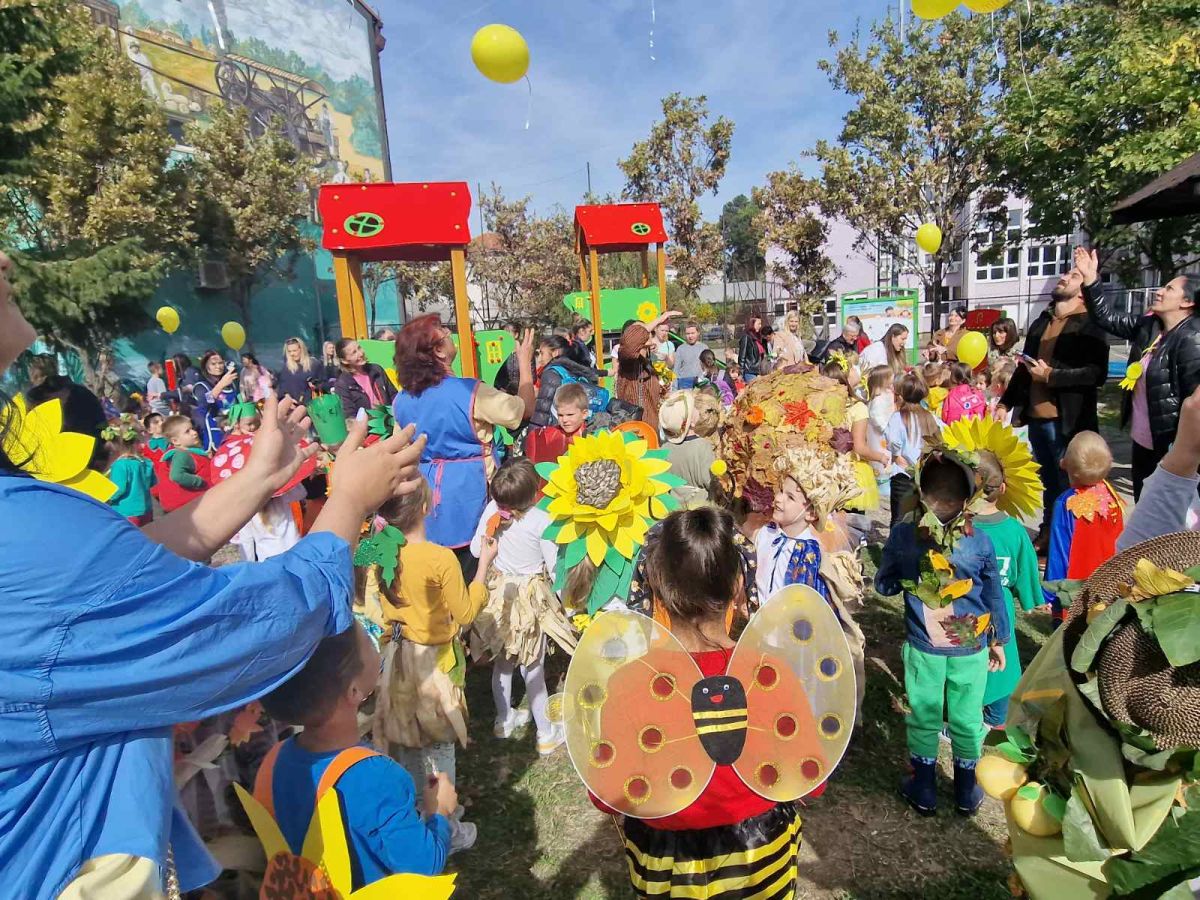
949, 631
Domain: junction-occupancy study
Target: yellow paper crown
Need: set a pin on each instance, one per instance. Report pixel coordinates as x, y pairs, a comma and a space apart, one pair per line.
1023, 486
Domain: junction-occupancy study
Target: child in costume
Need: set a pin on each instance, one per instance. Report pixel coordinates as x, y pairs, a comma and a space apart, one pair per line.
1018, 565
157, 443
715, 377
956, 621
571, 408
691, 455
881, 404
906, 432
1087, 517
131, 472
964, 399
522, 609
188, 468
420, 709
713, 816
371, 799
937, 379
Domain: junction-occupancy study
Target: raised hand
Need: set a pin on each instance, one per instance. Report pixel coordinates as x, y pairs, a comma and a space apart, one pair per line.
1088, 264
277, 454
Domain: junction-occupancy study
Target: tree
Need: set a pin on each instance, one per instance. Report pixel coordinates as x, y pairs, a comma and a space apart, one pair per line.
418, 285
1101, 99
683, 159
97, 212
742, 232
41, 41
525, 263
790, 221
913, 149
251, 198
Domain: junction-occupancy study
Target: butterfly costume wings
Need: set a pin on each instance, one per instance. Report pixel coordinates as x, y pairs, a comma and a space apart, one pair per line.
646, 730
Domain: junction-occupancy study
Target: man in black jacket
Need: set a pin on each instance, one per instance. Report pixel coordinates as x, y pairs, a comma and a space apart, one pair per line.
1054, 390
1164, 361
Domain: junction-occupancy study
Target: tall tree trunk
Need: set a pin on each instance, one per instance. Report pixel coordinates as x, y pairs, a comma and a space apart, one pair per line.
936, 322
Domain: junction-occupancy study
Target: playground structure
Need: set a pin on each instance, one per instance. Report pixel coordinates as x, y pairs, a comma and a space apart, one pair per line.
879, 308
408, 222
618, 228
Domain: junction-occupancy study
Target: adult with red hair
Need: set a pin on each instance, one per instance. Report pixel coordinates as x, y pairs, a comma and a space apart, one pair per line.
459, 416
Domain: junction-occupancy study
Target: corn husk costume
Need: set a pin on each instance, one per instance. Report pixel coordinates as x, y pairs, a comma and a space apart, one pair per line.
521, 611
1101, 763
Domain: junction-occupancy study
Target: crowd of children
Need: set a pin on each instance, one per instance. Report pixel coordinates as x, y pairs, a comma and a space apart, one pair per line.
956, 550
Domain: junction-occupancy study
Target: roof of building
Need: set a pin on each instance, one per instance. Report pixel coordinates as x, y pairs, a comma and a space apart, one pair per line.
410, 222
1172, 194
618, 227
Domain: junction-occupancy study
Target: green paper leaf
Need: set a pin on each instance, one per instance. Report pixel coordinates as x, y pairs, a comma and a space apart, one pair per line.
614, 560
624, 583
1054, 804
1176, 620
1012, 752
1081, 841
552, 531
573, 553
604, 588
544, 504
546, 469
670, 480
1097, 632
561, 571
1172, 853
1029, 791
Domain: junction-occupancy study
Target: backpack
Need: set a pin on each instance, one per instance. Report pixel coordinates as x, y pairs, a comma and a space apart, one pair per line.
598, 397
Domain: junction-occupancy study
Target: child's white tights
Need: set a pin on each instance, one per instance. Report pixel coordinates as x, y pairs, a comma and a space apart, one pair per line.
535, 686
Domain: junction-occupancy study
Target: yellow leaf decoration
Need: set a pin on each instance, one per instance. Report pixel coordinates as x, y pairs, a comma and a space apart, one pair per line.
956, 589
939, 562
1151, 581
982, 624
38, 445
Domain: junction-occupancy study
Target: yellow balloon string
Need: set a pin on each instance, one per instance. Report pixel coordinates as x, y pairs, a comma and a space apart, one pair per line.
529, 107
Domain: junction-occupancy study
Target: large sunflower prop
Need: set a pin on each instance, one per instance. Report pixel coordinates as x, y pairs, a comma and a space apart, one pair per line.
1023, 486
37, 444
603, 494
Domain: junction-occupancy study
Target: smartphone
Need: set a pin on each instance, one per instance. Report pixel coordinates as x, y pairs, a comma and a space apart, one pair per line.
1026, 358
229, 367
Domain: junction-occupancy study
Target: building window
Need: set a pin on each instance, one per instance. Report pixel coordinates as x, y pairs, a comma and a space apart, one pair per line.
1047, 260
1007, 264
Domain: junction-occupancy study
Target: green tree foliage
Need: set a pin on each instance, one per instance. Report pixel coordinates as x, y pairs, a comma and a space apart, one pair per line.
741, 230
683, 159
913, 148
40, 42
251, 199
525, 263
97, 213
418, 285
1101, 97
790, 221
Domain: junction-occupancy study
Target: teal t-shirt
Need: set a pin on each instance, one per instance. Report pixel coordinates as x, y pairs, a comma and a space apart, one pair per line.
133, 477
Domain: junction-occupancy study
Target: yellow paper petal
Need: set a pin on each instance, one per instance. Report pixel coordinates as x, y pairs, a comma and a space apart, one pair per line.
652, 467
325, 843
93, 484
410, 887
596, 548
658, 509
265, 827
956, 589
608, 521
568, 533
624, 543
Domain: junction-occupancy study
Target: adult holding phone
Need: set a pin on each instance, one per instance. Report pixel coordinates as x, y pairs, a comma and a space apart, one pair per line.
213, 394
1055, 388
1164, 361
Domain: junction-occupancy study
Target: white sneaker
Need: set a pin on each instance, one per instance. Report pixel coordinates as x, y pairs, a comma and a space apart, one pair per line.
462, 835
517, 719
551, 742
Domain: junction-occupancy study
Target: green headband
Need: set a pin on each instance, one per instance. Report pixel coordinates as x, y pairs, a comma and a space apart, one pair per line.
239, 411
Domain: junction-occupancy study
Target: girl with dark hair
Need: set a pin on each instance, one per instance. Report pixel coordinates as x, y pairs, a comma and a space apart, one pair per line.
459, 416
1003, 339
214, 394
104, 648
256, 380
752, 351
361, 385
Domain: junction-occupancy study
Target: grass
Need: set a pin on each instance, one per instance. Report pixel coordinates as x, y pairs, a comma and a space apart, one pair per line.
540, 837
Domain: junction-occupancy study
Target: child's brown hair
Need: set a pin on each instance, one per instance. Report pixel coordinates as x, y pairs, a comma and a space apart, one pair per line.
572, 394
1002, 374
961, 373
515, 485
407, 510
880, 379
911, 392
174, 426
1088, 459
308, 698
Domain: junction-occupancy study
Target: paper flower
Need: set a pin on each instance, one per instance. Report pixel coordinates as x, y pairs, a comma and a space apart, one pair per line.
37, 444
381, 549
1133, 374
1023, 484
755, 415
647, 312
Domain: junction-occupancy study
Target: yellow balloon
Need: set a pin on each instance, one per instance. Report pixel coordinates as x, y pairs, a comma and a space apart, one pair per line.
168, 318
972, 348
234, 335
929, 237
500, 53
985, 6
933, 9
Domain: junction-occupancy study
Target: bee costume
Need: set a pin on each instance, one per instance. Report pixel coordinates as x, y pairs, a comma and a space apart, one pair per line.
704, 755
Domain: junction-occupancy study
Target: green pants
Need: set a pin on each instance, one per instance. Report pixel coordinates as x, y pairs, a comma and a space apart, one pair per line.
954, 684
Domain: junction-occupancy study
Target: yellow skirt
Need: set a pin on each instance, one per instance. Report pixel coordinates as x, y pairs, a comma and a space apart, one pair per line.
420, 699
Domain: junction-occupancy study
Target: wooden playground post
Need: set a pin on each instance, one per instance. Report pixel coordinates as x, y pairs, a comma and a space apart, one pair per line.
462, 314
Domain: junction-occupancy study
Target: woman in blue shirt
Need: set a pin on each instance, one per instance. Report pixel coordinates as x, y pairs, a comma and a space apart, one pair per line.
110, 635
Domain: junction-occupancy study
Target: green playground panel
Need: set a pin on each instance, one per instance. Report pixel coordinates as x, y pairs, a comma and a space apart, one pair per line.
617, 306
873, 301
494, 348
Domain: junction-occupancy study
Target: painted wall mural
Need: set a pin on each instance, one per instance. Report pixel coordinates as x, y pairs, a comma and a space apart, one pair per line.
307, 64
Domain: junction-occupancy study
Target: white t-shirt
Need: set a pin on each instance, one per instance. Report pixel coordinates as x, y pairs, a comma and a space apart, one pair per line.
155, 388
662, 351
773, 558
522, 549
873, 355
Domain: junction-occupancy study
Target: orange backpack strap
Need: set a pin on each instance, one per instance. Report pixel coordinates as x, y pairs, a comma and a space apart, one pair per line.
264, 780
339, 765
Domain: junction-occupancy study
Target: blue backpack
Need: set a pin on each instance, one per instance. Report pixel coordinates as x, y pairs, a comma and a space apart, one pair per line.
598, 397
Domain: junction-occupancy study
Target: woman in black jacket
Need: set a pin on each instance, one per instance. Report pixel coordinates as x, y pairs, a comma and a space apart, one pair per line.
553, 360
1165, 347
362, 385
752, 352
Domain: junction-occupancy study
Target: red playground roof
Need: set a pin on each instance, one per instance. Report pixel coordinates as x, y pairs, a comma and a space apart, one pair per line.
422, 221
619, 227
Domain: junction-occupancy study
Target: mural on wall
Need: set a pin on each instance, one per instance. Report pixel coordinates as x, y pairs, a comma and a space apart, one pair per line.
305, 65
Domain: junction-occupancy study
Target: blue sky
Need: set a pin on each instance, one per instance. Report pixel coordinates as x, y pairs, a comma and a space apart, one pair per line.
596, 89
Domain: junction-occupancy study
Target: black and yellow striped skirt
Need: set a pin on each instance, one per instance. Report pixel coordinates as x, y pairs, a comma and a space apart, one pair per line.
750, 860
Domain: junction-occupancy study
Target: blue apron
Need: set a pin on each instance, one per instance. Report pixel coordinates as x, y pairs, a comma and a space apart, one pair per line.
453, 461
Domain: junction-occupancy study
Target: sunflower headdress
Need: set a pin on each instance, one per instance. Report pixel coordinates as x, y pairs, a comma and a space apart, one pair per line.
1023, 486
36, 443
603, 495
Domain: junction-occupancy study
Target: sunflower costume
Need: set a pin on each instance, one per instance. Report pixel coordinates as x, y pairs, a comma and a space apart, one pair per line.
35, 442
1101, 760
